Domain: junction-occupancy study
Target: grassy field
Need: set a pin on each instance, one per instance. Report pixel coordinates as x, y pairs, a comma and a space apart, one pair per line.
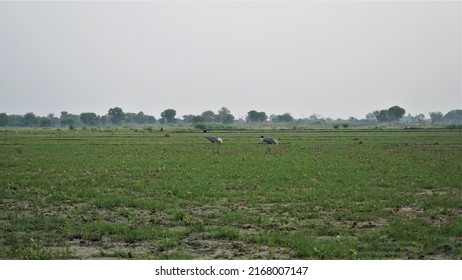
322, 194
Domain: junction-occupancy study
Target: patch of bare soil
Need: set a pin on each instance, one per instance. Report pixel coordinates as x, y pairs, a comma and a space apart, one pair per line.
444, 217
78, 248
434, 216
201, 247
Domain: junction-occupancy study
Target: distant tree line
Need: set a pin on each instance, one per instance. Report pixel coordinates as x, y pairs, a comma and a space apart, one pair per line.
452, 117
116, 116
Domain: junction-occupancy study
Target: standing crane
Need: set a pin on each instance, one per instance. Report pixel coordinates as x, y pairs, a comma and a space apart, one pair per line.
213, 139
270, 141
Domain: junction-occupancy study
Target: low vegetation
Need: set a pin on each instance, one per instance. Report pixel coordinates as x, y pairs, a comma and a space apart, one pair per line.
320, 194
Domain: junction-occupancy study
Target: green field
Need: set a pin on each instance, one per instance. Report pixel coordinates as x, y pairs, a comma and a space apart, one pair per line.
322, 194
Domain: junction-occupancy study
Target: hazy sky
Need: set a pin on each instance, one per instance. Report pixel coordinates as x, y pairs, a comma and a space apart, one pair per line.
337, 59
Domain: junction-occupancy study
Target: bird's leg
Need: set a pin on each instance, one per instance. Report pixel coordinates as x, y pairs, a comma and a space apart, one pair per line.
276, 149
218, 147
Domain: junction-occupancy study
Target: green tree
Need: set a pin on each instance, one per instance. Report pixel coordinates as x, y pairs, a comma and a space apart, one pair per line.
395, 113
15, 120
436, 117
150, 119
103, 120
370, 117
4, 119
381, 116
315, 117
168, 115
254, 116
30, 120
88, 118
130, 117
188, 118
140, 118
287, 117
454, 116
224, 115
68, 119
228, 119
44, 122
209, 116
116, 115
420, 118
199, 119
262, 117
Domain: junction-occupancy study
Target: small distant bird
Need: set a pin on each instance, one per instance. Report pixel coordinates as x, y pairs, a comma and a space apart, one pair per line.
269, 140
213, 139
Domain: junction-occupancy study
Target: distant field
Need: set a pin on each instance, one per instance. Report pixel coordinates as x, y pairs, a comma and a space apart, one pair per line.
322, 194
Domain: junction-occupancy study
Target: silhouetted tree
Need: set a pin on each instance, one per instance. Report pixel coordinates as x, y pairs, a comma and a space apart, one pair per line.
228, 119
392, 114
209, 116
436, 117
395, 113
168, 115
224, 115
188, 118
29, 120
381, 116
151, 119
68, 119
44, 122
454, 116
287, 117
254, 116
4, 119
315, 117
420, 118
89, 118
116, 115
370, 117
140, 118
130, 117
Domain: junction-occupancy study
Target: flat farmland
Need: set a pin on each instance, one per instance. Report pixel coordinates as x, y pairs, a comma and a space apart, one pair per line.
320, 194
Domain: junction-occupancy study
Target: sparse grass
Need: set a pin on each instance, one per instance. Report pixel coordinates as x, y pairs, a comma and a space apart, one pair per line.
322, 194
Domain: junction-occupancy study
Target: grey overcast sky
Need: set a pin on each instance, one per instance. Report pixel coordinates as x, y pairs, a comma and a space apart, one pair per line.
336, 59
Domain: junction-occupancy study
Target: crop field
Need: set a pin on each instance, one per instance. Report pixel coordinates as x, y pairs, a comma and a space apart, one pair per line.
320, 194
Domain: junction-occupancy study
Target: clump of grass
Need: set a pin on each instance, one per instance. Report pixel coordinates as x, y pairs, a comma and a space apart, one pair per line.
18, 150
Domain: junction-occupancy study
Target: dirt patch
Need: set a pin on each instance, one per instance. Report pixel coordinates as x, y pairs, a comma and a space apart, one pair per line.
444, 217
201, 247
105, 249
408, 209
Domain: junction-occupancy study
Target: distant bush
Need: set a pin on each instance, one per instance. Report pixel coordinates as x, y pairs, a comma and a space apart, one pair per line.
335, 126
454, 126
345, 125
200, 126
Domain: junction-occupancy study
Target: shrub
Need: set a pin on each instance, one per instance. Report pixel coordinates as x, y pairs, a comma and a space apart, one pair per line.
454, 126
200, 126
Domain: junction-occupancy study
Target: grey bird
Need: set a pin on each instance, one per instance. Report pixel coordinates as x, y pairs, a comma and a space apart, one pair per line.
213, 139
269, 140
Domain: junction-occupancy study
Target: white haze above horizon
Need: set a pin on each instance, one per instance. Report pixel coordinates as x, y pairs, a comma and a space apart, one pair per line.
336, 59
